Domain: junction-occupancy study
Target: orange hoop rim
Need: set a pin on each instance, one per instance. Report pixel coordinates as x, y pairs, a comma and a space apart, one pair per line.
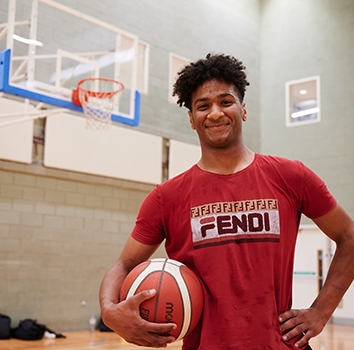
100, 94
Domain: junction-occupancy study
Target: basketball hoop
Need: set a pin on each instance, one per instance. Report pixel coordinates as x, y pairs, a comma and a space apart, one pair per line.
97, 96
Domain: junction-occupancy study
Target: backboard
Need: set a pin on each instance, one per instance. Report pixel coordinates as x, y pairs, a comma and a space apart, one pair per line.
47, 48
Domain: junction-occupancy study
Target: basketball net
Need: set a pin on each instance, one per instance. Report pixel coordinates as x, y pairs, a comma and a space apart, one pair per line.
98, 97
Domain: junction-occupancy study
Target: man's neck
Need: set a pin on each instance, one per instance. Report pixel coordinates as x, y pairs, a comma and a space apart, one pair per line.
226, 161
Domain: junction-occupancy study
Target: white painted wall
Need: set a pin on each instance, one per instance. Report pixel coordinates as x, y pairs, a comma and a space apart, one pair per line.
118, 152
16, 141
305, 287
182, 157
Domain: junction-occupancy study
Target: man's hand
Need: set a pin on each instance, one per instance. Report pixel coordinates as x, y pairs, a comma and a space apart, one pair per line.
124, 319
308, 322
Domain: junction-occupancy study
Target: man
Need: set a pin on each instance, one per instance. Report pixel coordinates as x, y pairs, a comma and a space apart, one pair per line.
233, 218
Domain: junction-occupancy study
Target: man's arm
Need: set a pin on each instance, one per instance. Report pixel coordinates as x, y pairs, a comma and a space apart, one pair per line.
124, 317
339, 227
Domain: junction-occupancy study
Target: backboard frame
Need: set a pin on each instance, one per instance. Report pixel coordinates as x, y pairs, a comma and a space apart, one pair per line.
55, 94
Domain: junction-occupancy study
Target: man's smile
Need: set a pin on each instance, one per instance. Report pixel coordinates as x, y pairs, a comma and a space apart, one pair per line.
216, 126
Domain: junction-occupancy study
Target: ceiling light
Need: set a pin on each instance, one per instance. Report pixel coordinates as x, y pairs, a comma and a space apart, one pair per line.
303, 92
27, 41
305, 112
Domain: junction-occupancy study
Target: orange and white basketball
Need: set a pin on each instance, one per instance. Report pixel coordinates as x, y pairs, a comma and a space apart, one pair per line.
179, 295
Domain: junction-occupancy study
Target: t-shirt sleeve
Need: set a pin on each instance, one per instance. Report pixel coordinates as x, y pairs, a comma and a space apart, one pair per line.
316, 199
148, 227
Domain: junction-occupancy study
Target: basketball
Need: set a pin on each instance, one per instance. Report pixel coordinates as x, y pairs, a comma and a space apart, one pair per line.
179, 295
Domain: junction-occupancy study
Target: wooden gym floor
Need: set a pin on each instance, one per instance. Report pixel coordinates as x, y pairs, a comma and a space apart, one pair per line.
333, 337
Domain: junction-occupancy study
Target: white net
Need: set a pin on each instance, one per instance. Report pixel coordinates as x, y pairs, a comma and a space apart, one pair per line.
98, 97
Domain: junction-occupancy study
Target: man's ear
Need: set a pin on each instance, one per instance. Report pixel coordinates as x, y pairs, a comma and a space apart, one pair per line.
191, 120
244, 112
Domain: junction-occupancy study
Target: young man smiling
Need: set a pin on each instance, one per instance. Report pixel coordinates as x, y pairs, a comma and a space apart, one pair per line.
217, 115
233, 218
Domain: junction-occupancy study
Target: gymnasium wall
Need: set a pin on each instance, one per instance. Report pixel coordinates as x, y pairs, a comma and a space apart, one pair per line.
301, 39
191, 29
61, 230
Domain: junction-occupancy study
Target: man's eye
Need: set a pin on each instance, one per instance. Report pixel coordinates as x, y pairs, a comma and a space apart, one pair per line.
226, 102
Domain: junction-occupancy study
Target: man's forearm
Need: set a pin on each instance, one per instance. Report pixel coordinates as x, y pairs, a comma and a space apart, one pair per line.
111, 284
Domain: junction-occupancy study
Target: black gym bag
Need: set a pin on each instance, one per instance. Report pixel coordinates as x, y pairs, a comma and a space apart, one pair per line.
5, 327
31, 330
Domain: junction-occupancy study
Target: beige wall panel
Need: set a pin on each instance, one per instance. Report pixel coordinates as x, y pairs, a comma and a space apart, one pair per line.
182, 157
118, 152
15, 140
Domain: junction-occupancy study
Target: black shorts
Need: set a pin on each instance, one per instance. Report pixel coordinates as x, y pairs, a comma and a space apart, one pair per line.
308, 347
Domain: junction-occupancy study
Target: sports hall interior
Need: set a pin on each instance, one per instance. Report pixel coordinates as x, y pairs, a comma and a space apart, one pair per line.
65, 215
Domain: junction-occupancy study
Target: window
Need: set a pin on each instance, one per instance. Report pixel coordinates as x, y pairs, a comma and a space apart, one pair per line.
176, 64
303, 101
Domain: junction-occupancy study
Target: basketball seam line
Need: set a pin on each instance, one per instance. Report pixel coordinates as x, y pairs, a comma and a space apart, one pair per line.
137, 287
158, 290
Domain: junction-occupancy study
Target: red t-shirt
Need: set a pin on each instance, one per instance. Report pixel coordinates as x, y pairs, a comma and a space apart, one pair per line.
238, 233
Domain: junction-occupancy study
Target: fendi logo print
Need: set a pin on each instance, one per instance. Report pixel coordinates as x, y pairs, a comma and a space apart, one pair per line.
235, 222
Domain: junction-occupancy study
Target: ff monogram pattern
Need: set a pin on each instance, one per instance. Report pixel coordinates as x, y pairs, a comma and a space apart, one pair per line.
235, 222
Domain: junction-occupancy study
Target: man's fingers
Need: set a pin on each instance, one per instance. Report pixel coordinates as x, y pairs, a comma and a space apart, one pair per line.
125, 319
152, 327
161, 328
301, 325
293, 333
157, 337
288, 323
288, 315
152, 334
158, 334
142, 296
304, 340
292, 326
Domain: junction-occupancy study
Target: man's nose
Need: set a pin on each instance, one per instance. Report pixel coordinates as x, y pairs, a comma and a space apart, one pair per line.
215, 112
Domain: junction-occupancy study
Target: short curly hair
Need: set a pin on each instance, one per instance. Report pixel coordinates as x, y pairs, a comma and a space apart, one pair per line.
220, 67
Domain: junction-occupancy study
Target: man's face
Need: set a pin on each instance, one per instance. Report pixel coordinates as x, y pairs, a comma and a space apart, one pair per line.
217, 115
